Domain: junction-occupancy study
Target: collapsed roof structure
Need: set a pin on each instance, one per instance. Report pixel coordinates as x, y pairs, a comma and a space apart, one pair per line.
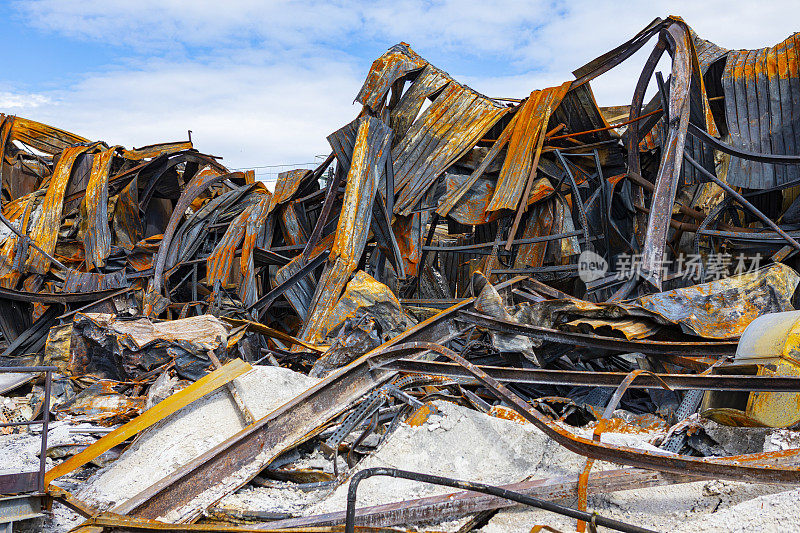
537, 254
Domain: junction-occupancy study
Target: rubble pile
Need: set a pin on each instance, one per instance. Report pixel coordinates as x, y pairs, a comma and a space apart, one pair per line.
497, 313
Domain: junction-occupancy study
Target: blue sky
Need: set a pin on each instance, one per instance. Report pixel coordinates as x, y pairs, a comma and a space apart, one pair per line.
263, 83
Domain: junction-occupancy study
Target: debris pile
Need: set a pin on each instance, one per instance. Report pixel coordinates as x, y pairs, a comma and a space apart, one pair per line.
492, 311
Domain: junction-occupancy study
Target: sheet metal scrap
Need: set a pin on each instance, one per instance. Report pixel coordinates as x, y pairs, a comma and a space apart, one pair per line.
544, 242
760, 90
522, 146
368, 161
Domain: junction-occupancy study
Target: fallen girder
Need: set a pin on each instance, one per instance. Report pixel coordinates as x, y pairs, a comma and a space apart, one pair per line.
540, 376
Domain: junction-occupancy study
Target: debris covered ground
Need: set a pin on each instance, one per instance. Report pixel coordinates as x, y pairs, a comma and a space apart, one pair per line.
574, 317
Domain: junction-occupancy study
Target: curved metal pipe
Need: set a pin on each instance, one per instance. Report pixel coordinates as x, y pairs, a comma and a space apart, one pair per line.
358, 477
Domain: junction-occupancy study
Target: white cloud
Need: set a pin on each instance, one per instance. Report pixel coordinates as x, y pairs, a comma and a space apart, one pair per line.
265, 82
476, 25
12, 100
538, 30
249, 115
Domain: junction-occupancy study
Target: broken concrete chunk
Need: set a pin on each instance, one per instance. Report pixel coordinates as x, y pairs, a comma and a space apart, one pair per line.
189, 433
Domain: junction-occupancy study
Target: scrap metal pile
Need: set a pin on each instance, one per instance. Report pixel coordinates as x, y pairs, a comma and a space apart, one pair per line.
588, 273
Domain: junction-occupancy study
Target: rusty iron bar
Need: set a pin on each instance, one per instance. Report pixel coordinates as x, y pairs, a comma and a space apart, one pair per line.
577, 201
578, 378
685, 210
514, 242
763, 237
651, 347
500, 492
743, 201
30, 481
45, 426
462, 503
633, 137
634, 164
668, 177
31, 242
233, 391
107, 521
757, 467
611, 127
208, 383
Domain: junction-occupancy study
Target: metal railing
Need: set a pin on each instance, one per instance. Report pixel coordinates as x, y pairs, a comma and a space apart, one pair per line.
30, 481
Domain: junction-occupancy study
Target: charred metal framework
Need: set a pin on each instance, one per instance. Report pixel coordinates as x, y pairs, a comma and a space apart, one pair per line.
444, 235
29, 481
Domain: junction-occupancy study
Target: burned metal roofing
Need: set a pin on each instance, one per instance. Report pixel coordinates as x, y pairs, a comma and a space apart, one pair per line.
761, 90
541, 241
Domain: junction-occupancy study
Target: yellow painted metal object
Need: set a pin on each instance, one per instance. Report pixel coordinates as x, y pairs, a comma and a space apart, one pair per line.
770, 346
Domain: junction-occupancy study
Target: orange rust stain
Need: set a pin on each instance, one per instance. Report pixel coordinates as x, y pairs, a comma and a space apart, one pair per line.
643, 425
45, 232
418, 417
499, 411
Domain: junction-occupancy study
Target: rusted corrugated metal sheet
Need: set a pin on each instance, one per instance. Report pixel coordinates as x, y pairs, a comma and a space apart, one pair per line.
154, 301
707, 309
255, 228
387, 69
426, 84
14, 187
220, 261
93, 281
94, 211
287, 185
193, 229
155, 150
12, 250
17, 207
453, 124
45, 232
369, 157
300, 295
579, 111
532, 122
550, 217
293, 231
707, 52
126, 220
408, 234
453, 196
241, 234
762, 99
343, 142
345, 288
540, 222
472, 207
45, 138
